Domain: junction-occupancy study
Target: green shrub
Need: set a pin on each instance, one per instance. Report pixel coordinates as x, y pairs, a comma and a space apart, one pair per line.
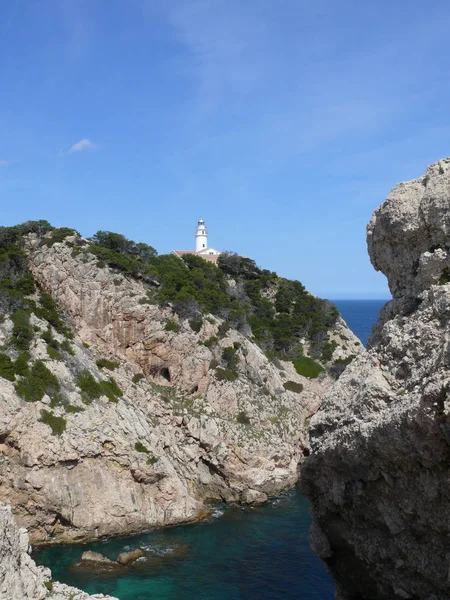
229, 358
223, 329
57, 424
172, 325
151, 460
327, 350
21, 364
225, 374
103, 363
89, 385
445, 276
59, 235
71, 409
53, 353
22, 332
293, 386
7, 368
48, 311
49, 585
139, 446
38, 381
91, 389
210, 342
56, 400
111, 390
307, 367
243, 418
344, 361
196, 324
101, 264
137, 378
66, 346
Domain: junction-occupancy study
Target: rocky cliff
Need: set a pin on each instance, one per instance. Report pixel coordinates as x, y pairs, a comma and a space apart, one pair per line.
20, 578
117, 414
378, 476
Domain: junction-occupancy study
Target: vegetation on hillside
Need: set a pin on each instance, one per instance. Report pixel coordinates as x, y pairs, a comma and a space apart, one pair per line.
278, 314
20, 297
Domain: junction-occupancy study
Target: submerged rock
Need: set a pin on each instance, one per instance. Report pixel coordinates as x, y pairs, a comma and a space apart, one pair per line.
96, 562
96, 557
126, 558
378, 476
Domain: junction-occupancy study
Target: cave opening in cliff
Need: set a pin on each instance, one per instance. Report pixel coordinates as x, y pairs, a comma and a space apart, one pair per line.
164, 372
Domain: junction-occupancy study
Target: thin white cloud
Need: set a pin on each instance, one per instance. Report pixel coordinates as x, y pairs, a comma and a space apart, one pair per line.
4, 163
83, 145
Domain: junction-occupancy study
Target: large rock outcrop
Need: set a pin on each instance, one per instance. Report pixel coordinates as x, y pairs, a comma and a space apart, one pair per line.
20, 578
77, 468
378, 476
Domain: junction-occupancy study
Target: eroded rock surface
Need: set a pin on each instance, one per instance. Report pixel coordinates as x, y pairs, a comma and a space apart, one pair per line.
177, 436
378, 476
20, 578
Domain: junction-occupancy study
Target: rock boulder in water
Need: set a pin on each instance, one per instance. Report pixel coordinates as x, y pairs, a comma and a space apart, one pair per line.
126, 558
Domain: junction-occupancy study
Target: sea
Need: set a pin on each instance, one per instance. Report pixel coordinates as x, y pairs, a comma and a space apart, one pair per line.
258, 553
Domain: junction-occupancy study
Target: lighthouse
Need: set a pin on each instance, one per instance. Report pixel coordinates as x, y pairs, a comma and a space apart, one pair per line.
201, 245
201, 236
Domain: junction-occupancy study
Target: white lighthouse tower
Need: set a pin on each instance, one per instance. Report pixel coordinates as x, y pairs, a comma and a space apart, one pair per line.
201, 236
201, 245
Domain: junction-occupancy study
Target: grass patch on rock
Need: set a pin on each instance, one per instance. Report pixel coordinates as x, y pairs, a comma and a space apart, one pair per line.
57, 424
307, 367
293, 386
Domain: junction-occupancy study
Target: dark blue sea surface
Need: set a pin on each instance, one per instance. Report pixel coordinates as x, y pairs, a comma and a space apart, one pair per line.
360, 315
239, 554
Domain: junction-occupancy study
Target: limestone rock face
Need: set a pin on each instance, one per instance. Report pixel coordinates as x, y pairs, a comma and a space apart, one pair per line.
378, 476
20, 578
178, 435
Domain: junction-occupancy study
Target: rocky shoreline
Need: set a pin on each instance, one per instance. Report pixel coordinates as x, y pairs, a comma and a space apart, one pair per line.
20, 577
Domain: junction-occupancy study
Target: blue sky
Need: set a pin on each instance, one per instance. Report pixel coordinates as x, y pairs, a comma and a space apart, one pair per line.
283, 123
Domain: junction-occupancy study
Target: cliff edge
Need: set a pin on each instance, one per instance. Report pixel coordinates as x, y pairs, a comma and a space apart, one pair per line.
378, 476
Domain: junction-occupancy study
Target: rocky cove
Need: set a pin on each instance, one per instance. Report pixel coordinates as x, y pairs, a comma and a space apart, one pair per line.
190, 411
122, 410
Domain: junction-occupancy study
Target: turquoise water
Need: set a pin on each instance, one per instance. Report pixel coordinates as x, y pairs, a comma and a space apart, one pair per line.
240, 554
243, 554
